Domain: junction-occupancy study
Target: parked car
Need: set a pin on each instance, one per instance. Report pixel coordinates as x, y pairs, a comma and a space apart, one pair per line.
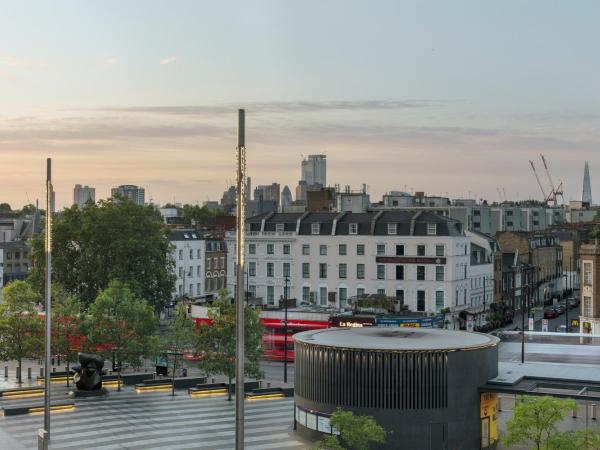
560, 309
550, 313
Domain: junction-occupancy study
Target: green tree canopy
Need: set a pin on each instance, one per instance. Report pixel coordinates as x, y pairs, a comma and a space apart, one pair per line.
535, 422
356, 432
179, 338
5, 207
66, 326
123, 325
197, 214
21, 328
111, 240
215, 342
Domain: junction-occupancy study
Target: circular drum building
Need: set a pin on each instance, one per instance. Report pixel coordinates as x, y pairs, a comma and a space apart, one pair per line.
420, 384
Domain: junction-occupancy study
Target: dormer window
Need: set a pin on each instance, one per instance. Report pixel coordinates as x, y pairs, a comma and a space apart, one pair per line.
279, 227
315, 228
432, 229
353, 228
392, 228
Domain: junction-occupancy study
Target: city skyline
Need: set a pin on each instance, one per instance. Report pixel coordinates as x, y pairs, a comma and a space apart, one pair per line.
432, 97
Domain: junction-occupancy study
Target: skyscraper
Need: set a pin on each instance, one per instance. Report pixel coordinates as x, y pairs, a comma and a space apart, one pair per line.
314, 170
83, 194
134, 193
586, 198
286, 198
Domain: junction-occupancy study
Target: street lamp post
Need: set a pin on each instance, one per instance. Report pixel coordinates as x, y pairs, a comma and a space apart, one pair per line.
285, 327
522, 319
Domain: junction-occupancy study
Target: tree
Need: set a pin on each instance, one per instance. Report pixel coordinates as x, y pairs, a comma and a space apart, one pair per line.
179, 338
5, 207
534, 421
29, 209
66, 326
215, 342
121, 325
112, 240
356, 432
21, 328
197, 214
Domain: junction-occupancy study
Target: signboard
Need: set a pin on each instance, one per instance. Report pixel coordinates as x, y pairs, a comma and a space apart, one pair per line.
575, 323
409, 260
301, 416
415, 322
311, 421
488, 405
531, 324
545, 325
323, 424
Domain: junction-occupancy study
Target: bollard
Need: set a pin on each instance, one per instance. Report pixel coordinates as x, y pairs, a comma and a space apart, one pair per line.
29, 373
213, 380
5, 371
268, 384
593, 411
54, 370
574, 412
41, 372
499, 404
18, 373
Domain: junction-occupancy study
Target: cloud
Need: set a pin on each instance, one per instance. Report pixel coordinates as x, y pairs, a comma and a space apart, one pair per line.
168, 60
21, 63
110, 61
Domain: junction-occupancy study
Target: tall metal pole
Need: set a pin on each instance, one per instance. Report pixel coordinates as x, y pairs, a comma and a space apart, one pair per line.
285, 325
239, 294
48, 348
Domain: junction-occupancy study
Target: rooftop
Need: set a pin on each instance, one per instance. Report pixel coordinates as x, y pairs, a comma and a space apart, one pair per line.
398, 339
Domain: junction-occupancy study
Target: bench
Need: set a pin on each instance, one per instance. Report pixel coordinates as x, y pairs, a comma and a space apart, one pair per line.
207, 389
167, 383
269, 393
24, 392
37, 408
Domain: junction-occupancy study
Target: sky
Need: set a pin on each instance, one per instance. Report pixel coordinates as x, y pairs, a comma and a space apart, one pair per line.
446, 97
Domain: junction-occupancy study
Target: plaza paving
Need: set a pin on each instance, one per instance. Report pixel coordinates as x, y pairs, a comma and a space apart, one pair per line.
154, 420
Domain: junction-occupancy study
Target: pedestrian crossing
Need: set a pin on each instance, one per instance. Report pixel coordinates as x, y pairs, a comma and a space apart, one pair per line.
127, 420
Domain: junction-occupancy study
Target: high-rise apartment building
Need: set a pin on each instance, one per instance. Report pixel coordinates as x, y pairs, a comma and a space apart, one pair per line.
134, 193
314, 170
286, 197
268, 192
83, 195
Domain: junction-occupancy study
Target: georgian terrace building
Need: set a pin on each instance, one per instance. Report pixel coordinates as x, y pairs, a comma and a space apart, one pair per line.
421, 258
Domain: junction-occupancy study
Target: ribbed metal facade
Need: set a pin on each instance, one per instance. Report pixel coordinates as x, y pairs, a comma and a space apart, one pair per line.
372, 379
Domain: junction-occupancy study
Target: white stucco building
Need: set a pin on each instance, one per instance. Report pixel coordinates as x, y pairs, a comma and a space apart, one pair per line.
421, 258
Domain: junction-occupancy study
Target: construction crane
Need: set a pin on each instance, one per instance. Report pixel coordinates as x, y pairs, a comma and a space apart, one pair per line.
538, 179
556, 191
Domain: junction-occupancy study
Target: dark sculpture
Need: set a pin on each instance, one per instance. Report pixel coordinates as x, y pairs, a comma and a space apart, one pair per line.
88, 376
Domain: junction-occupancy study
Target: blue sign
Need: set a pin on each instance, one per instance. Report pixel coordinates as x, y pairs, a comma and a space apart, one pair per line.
415, 322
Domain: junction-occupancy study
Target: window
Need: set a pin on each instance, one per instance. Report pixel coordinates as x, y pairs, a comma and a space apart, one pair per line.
587, 273
252, 249
179, 289
198, 288
420, 273
343, 269
353, 228
286, 269
305, 270
392, 228
360, 292
439, 273
279, 227
323, 270
222, 262
198, 254
439, 300
208, 266
315, 228
323, 296
587, 306
191, 289
198, 271
270, 249
252, 291
420, 300
420, 250
342, 249
323, 250
180, 255
381, 291
360, 271
399, 250
305, 294
286, 249
400, 296
399, 272
432, 229
360, 249
306, 249
180, 272
380, 271
270, 269
439, 250
251, 269
380, 249
343, 297
191, 253
271, 295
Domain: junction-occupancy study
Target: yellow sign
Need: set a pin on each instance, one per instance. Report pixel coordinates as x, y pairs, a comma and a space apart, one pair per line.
575, 323
411, 325
488, 412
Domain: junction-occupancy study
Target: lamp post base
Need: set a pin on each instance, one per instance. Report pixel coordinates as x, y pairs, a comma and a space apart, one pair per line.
43, 439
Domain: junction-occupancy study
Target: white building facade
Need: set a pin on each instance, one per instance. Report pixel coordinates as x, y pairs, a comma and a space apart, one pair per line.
188, 255
422, 259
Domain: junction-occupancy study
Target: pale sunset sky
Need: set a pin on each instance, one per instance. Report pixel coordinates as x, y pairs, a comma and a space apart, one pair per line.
447, 97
